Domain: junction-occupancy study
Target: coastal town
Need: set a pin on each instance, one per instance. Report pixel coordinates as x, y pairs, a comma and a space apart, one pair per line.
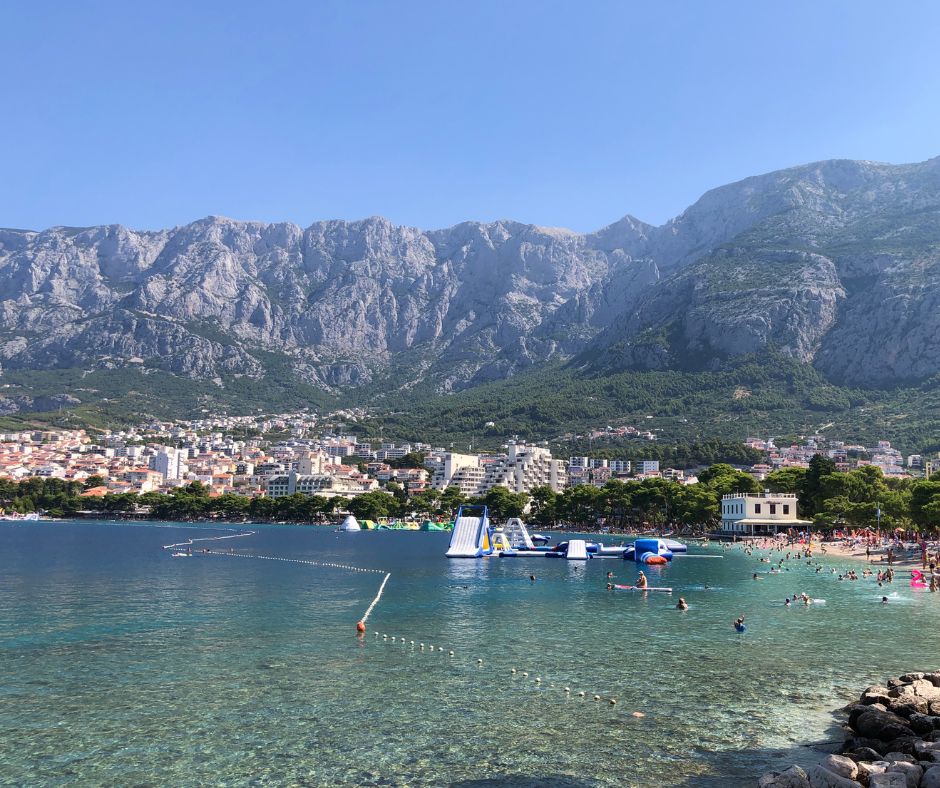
285, 454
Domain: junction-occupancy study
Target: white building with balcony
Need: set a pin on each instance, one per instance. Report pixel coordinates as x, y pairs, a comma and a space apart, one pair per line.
759, 515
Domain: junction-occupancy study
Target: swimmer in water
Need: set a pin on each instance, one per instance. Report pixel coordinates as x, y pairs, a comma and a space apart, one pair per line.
683, 605
610, 586
532, 578
739, 624
641, 581
786, 602
884, 599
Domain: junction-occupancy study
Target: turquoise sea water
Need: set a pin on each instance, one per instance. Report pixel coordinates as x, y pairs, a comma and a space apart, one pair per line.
124, 666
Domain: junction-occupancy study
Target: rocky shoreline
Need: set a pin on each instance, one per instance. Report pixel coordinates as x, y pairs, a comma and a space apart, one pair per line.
892, 741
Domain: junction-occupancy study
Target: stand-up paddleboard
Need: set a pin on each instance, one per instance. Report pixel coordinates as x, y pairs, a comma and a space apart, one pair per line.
637, 588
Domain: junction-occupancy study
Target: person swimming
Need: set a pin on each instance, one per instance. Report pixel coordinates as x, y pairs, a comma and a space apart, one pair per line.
641, 581
884, 600
786, 602
739, 625
683, 605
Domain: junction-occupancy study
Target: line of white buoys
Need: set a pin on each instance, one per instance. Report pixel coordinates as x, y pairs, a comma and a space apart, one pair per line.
304, 561
537, 681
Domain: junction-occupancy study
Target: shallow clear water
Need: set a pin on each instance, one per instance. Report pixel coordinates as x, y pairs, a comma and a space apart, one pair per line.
122, 665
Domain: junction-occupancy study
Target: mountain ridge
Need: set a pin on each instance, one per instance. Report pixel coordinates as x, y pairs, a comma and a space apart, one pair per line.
834, 263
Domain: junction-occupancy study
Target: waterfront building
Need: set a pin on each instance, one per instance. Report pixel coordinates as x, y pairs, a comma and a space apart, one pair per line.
325, 484
464, 471
759, 515
524, 467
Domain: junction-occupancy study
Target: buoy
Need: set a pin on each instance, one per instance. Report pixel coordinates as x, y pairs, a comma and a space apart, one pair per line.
431, 647
567, 689
613, 701
479, 662
422, 646
513, 670
451, 653
525, 674
360, 627
580, 694
538, 679
412, 643
597, 697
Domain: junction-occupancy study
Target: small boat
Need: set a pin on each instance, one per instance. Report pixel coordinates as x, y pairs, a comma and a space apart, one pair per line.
181, 554
637, 588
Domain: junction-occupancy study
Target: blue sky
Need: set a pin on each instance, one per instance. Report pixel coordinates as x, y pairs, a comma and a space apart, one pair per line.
430, 113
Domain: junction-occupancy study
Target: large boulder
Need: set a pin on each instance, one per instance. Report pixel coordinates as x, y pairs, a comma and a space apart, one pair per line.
922, 723
882, 725
927, 750
875, 694
931, 778
887, 780
909, 677
925, 689
894, 757
933, 677
794, 777
856, 710
935, 707
911, 771
863, 754
838, 764
821, 777
867, 769
907, 705
903, 744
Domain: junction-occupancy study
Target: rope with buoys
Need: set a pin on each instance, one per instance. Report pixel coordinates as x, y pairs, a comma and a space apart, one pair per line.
361, 623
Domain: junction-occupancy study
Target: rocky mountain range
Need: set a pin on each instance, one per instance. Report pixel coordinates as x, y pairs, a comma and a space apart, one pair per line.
835, 263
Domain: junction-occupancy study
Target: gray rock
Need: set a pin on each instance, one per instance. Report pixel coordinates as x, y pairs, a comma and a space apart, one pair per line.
882, 725
794, 777
896, 757
904, 744
922, 723
931, 778
845, 767
911, 771
866, 769
863, 754
911, 676
908, 705
887, 780
821, 777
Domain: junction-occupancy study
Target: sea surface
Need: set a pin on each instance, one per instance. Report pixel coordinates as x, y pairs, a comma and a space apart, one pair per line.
124, 666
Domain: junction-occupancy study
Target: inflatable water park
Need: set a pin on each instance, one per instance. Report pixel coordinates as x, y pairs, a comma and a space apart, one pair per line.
475, 537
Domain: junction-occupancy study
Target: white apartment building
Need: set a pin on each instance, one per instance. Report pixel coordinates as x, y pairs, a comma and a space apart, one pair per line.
648, 466
759, 515
464, 471
317, 484
524, 467
170, 462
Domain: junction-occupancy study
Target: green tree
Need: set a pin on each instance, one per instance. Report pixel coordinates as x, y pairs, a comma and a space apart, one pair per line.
373, 505
544, 505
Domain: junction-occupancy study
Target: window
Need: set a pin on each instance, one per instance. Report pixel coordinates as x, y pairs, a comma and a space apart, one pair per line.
786, 508
773, 508
756, 508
